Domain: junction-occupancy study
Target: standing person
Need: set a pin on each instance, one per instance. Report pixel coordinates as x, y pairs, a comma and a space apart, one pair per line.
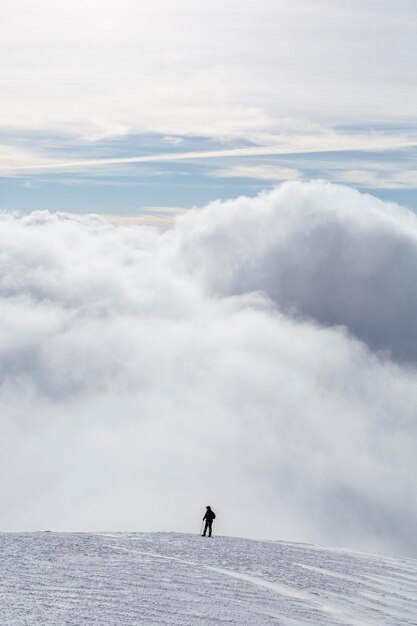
208, 517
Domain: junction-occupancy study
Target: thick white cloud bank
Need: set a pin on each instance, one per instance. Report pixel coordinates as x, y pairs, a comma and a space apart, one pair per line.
258, 357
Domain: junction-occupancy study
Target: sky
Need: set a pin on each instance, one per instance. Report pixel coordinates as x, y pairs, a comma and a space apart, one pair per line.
100, 98
208, 245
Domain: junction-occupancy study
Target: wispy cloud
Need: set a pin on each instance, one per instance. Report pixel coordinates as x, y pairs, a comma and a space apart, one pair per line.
14, 159
261, 172
174, 141
162, 218
377, 179
97, 70
330, 142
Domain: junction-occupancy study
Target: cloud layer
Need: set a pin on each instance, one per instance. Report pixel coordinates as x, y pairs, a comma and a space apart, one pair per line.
331, 254
259, 357
98, 68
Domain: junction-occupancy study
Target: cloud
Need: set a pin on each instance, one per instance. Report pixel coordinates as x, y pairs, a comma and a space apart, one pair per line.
97, 69
14, 159
262, 172
299, 144
174, 141
381, 178
318, 251
162, 218
233, 360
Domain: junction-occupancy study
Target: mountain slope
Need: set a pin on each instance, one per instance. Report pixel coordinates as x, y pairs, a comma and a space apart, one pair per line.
175, 579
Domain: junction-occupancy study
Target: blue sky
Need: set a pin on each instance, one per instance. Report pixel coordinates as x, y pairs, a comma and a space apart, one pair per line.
272, 92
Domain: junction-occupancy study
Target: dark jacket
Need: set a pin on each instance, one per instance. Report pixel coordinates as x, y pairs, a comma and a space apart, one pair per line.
210, 515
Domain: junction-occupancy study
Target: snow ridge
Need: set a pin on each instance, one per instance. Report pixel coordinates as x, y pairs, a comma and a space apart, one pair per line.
167, 578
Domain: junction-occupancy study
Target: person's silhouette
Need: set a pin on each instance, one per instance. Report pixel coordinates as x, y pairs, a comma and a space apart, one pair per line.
208, 517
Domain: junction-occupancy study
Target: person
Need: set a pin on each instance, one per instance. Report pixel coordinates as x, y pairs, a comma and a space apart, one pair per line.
208, 517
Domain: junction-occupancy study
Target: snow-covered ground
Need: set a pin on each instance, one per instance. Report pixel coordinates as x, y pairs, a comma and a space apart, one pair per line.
166, 578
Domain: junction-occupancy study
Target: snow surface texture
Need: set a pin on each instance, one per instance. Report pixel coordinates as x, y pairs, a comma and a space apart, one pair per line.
176, 579
259, 357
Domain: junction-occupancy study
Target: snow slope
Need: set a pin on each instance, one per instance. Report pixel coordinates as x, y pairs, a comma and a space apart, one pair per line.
166, 578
